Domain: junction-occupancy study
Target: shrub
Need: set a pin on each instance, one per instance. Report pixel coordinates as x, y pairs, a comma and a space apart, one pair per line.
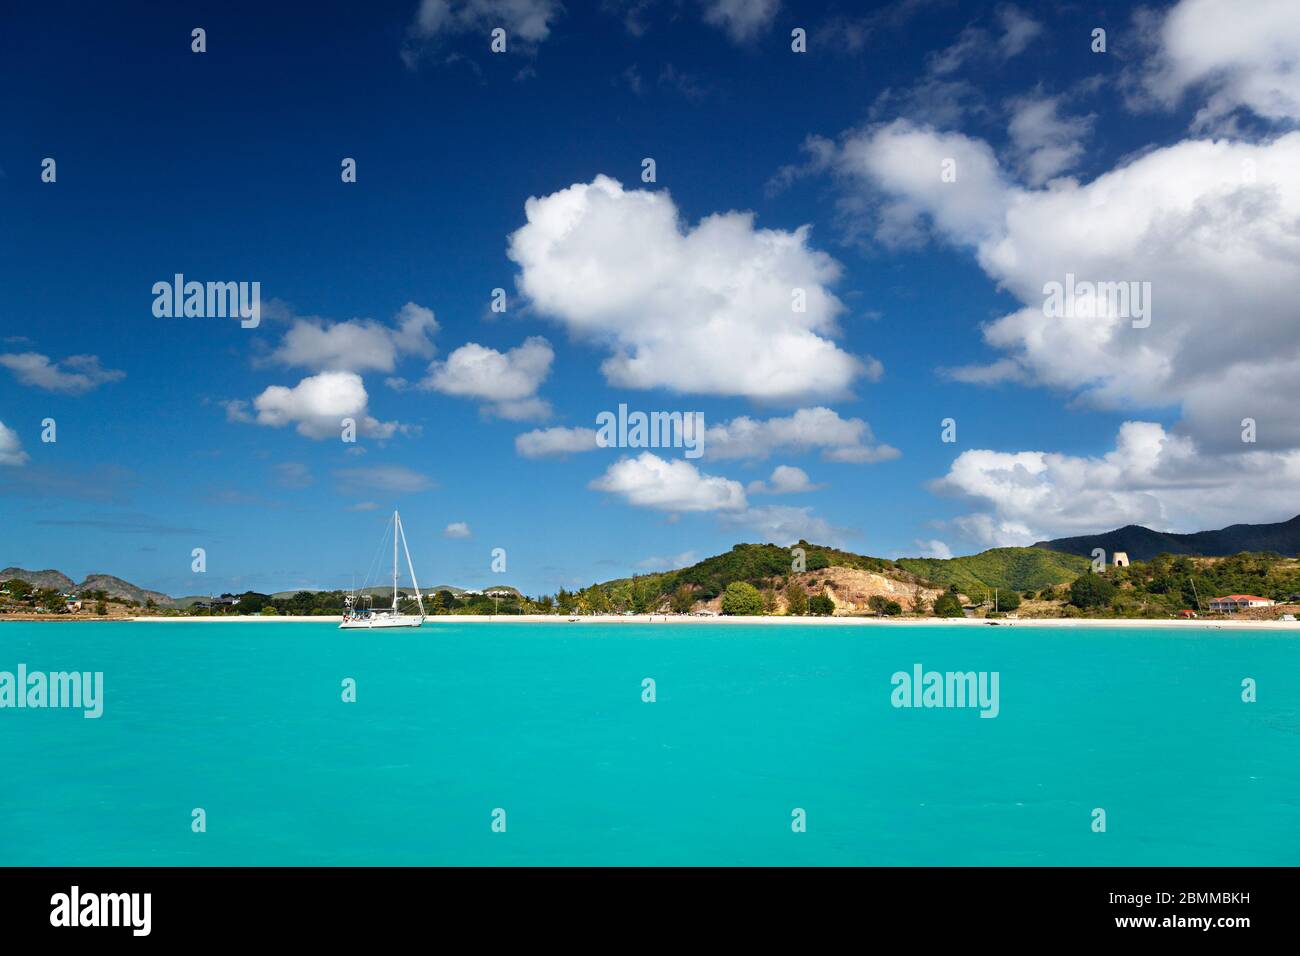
683, 599
1091, 590
947, 605
1008, 600
821, 605
883, 605
796, 600
741, 599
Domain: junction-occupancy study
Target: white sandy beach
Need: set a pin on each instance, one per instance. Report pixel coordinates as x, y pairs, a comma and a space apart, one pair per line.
1130, 623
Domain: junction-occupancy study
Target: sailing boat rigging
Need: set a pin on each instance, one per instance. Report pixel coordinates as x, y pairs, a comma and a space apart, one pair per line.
368, 617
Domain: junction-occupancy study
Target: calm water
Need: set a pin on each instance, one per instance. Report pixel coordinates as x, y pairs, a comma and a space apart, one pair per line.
547, 722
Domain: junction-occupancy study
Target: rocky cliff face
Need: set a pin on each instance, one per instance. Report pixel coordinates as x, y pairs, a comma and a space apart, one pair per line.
117, 588
112, 586
39, 579
851, 589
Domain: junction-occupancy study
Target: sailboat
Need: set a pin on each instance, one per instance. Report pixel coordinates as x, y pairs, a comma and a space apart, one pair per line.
370, 617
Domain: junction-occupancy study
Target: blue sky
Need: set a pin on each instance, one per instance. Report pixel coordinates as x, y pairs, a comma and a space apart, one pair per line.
1169, 159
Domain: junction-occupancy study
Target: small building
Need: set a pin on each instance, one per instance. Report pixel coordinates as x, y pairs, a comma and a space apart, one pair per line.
1119, 559
72, 606
1186, 613
1239, 602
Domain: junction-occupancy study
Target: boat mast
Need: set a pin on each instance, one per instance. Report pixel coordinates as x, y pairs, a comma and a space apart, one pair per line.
397, 526
411, 567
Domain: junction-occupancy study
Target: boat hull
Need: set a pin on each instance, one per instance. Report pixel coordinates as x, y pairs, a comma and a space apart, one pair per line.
380, 621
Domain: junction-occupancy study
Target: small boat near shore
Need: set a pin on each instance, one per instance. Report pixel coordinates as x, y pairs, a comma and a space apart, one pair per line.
355, 616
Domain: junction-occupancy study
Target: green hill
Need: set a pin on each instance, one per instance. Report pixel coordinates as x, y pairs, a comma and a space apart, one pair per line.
751, 563
1016, 569
1172, 582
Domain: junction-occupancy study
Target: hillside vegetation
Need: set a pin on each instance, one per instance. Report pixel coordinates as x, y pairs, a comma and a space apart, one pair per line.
1007, 569
753, 564
1170, 583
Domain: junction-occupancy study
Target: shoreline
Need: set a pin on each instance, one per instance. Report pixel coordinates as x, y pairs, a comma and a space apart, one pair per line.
781, 621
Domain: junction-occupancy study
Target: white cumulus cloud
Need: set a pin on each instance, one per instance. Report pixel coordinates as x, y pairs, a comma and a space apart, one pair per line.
548, 442
317, 406
358, 345
1237, 55
649, 481
785, 480
11, 448
1212, 225
707, 309
507, 381
1151, 477
808, 429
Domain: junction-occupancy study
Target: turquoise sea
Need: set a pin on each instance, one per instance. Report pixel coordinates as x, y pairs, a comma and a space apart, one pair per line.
547, 722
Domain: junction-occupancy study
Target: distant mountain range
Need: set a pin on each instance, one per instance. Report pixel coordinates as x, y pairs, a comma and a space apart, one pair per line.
39, 579
112, 586
1143, 544
115, 587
